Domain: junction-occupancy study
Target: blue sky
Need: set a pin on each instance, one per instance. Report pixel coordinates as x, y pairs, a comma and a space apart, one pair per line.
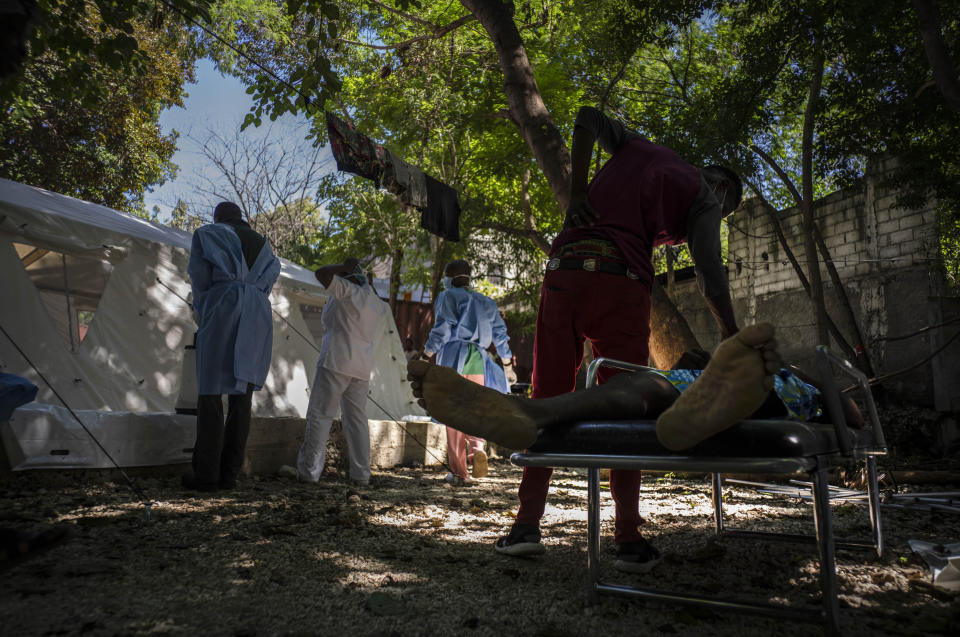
214, 102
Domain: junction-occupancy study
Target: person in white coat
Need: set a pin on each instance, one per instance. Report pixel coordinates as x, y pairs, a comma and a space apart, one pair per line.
351, 321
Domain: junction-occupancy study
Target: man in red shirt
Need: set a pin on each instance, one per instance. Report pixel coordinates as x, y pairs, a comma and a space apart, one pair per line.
597, 286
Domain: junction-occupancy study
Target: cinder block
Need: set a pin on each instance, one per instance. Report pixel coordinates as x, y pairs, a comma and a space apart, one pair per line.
273, 442
845, 226
911, 221
887, 227
900, 236
392, 444
914, 248
843, 250
889, 252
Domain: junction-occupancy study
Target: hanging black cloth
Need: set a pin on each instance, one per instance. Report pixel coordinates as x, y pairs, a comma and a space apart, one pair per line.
442, 213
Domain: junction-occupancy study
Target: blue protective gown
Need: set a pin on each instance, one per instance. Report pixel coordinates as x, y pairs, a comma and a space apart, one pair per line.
461, 317
235, 338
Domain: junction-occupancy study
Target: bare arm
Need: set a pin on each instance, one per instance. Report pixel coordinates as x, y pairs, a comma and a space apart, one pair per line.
592, 127
703, 239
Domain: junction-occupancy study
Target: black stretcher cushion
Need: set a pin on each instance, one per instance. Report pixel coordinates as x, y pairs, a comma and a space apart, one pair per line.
747, 439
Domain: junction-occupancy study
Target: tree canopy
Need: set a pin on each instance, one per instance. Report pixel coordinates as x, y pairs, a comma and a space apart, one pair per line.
81, 115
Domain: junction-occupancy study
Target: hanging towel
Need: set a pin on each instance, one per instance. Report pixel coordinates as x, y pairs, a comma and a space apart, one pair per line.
355, 152
417, 193
441, 216
405, 180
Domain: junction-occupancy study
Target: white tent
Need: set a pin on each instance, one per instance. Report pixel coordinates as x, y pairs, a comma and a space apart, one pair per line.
92, 296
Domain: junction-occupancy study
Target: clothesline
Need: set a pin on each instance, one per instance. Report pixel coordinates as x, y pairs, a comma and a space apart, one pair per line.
356, 153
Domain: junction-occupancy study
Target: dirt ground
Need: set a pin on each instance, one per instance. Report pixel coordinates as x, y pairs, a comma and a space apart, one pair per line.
413, 556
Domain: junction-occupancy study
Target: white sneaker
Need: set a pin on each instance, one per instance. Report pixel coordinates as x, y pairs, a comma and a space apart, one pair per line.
457, 481
286, 471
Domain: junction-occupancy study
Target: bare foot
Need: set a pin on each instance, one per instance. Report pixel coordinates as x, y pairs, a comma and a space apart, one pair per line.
471, 408
734, 384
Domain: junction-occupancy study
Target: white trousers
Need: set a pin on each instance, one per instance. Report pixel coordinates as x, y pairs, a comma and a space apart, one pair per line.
333, 392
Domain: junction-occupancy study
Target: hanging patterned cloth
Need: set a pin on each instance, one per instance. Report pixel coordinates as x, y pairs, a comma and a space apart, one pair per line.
356, 153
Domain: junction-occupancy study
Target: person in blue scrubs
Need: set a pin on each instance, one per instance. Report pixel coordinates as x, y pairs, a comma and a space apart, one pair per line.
232, 270
465, 324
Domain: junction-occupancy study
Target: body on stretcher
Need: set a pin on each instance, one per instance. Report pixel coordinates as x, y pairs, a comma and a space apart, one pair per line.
784, 447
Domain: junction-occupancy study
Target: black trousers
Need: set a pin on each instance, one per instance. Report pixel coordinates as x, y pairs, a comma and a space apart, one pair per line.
219, 450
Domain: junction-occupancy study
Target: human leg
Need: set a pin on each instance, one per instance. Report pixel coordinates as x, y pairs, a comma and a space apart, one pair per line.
477, 457
557, 354
621, 331
209, 444
736, 382
513, 422
356, 428
457, 453
321, 410
236, 431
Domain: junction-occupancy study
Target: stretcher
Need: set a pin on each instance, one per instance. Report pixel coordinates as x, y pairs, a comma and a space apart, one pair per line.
780, 447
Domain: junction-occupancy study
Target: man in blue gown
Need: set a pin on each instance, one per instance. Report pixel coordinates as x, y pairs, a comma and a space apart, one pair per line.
232, 270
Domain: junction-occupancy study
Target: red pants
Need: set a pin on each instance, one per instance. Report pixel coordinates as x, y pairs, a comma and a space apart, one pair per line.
613, 312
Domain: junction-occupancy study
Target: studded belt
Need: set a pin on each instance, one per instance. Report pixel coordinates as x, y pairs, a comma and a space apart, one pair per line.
591, 265
590, 248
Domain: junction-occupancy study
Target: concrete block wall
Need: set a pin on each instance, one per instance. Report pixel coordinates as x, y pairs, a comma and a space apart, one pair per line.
274, 442
888, 260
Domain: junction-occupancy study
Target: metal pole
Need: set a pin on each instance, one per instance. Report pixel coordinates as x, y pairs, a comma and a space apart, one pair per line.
828, 567
717, 504
593, 533
66, 294
874, 502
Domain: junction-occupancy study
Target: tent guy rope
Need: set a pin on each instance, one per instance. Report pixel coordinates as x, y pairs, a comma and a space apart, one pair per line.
310, 342
147, 502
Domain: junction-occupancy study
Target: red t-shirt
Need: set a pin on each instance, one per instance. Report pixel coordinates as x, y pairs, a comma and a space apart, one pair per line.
641, 197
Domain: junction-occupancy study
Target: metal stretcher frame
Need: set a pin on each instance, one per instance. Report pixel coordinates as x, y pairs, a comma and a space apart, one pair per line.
815, 467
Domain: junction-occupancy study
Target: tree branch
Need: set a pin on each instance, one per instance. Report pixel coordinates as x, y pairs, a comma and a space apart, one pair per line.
946, 77
438, 33
523, 233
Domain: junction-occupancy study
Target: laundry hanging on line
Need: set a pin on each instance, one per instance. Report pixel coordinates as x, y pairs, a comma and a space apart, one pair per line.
356, 153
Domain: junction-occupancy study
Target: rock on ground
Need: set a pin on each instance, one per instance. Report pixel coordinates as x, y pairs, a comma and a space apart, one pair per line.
413, 556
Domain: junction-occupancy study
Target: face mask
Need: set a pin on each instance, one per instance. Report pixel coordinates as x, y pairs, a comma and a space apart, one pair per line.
357, 276
448, 281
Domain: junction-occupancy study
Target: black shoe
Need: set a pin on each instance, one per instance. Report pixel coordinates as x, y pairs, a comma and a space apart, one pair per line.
523, 541
636, 557
228, 483
189, 482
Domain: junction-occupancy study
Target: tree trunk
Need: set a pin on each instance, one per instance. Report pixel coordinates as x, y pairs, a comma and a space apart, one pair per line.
842, 343
670, 333
438, 249
523, 95
945, 76
665, 319
858, 354
809, 243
